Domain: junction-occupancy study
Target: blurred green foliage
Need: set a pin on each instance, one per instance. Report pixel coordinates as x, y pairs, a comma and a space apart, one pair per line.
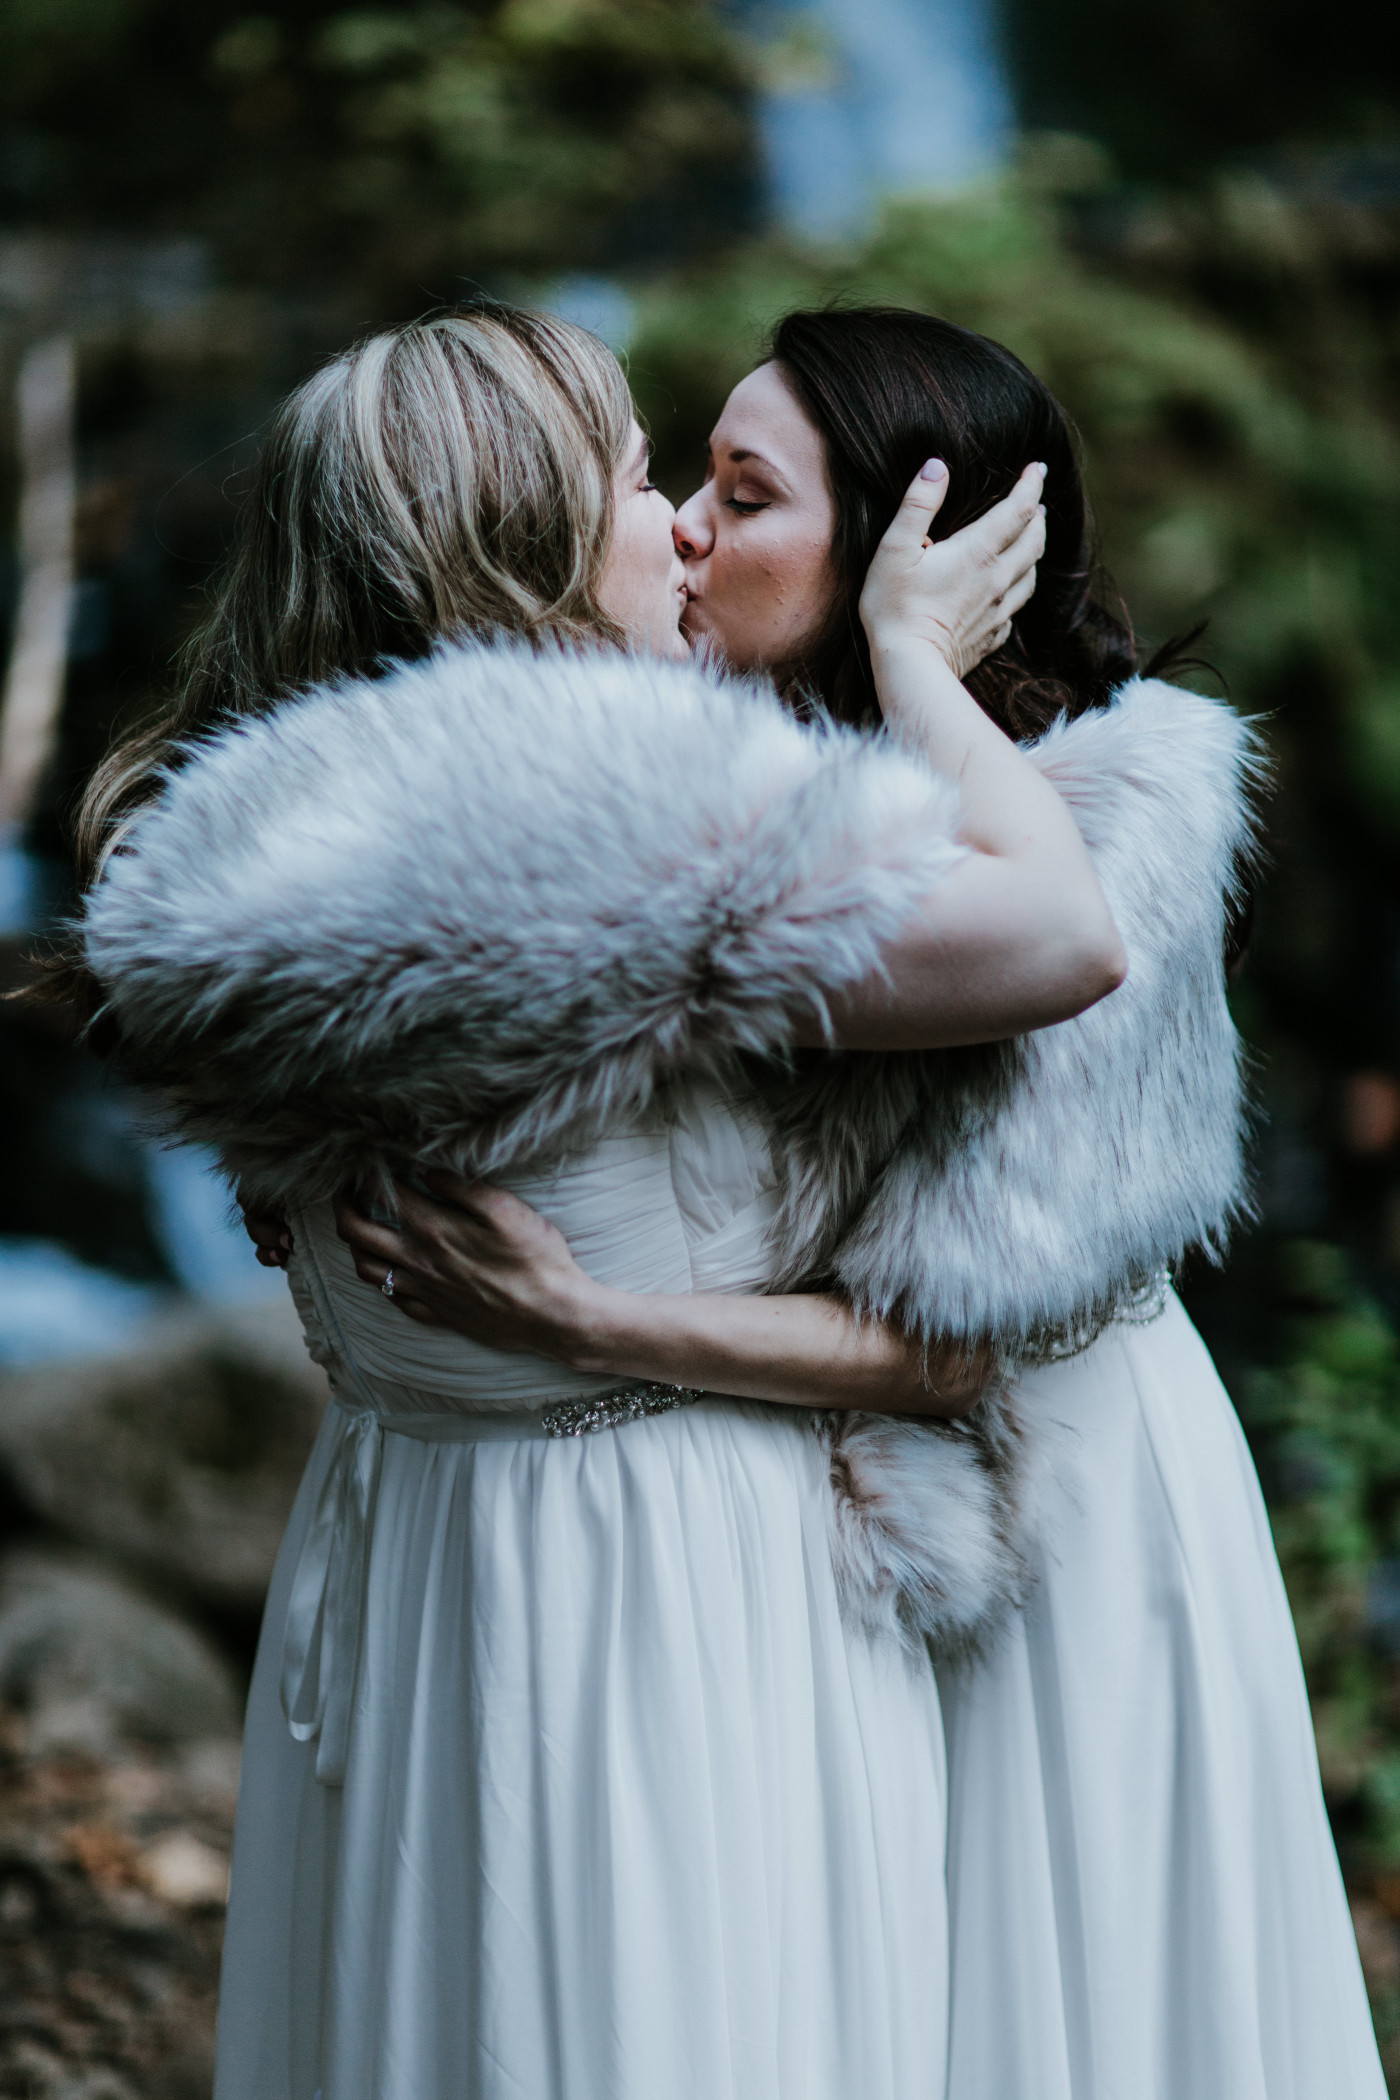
402, 148
1190, 84
1324, 1418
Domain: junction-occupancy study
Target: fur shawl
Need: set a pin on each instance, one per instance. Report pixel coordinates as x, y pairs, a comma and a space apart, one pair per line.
486, 905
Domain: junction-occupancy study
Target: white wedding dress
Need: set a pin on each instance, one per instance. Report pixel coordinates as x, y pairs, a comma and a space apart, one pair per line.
613, 1807
1144, 1898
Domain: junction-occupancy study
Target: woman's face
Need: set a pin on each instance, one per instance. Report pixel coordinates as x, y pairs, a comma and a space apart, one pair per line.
756, 539
643, 582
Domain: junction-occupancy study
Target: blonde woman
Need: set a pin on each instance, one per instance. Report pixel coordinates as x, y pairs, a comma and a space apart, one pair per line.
567, 1774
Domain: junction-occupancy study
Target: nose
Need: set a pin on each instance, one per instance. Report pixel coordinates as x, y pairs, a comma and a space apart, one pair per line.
692, 532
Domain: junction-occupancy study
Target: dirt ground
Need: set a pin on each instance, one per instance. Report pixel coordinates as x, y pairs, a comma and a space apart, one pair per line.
113, 1876
113, 1879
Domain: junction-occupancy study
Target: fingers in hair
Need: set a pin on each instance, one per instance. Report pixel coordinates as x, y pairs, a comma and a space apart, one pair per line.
921, 502
1023, 554
1006, 521
1020, 593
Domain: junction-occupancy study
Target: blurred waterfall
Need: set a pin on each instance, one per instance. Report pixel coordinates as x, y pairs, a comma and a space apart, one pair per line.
872, 98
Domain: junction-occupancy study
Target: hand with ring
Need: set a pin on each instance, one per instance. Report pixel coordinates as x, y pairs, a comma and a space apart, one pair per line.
475, 1259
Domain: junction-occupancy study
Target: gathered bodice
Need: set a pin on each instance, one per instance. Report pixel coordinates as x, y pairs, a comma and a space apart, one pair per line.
682, 1200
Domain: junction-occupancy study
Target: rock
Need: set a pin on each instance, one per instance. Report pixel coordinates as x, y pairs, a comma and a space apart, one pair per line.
90, 1661
180, 1454
181, 1869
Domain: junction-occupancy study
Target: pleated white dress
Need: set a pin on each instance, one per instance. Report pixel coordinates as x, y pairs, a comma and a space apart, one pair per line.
612, 1805
1144, 1898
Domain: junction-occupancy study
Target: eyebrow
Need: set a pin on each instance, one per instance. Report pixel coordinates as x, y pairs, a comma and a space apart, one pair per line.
736, 455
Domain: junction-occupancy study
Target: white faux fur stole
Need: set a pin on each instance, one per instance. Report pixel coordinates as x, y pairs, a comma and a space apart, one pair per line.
484, 906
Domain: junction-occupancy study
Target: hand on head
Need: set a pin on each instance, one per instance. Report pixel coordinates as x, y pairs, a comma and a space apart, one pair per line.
759, 541
959, 594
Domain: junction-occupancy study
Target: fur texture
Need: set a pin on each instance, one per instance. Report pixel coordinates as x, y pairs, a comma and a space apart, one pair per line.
1020, 1192
1026, 1193
461, 912
483, 906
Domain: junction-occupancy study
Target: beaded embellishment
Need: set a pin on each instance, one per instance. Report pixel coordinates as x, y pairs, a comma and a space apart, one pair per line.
1139, 1306
627, 1403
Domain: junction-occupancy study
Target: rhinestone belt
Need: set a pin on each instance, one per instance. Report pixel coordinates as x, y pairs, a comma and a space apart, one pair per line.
626, 1403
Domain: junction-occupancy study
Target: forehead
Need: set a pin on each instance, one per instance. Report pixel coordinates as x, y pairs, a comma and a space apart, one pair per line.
764, 416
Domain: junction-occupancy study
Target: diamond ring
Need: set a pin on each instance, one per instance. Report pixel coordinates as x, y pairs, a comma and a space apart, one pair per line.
388, 1285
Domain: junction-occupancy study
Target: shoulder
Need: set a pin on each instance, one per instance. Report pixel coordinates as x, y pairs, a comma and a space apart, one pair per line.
1160, 755
1146, 718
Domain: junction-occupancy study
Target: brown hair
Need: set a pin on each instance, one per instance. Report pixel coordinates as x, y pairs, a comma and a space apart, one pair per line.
453, 476
888, 388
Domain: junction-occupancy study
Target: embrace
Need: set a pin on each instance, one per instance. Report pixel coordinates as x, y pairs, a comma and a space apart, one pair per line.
722, 1017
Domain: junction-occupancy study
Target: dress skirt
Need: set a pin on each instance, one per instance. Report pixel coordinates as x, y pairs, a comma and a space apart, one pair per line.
627, 1814
1140, 1862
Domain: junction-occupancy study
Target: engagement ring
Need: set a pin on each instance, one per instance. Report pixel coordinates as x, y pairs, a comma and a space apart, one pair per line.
388, 1285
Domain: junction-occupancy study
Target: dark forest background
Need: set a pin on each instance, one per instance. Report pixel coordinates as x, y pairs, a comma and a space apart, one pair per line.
1196, 241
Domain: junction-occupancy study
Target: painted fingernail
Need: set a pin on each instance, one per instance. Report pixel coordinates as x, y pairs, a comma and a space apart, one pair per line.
932, 470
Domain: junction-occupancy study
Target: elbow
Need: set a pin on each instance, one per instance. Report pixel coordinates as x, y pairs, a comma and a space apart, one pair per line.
1107, 968
953, 1380
957, 1405
1096, 965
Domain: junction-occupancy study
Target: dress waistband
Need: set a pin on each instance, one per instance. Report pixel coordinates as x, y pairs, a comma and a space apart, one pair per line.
606, 1410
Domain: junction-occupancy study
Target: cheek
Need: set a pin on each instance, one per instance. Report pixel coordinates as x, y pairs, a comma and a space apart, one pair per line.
649, 545
782, 579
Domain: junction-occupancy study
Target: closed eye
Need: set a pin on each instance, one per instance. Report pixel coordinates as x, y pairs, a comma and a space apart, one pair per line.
745, 510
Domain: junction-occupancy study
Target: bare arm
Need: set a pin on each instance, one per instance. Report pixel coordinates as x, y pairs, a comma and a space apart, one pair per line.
483, 1263
1019, 935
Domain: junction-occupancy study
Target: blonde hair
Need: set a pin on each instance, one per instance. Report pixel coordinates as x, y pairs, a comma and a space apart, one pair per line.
453, 476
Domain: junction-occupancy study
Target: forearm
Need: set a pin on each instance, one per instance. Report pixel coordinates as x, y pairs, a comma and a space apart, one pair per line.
1018, 936
1008, 808
795, 1351
481, 1262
